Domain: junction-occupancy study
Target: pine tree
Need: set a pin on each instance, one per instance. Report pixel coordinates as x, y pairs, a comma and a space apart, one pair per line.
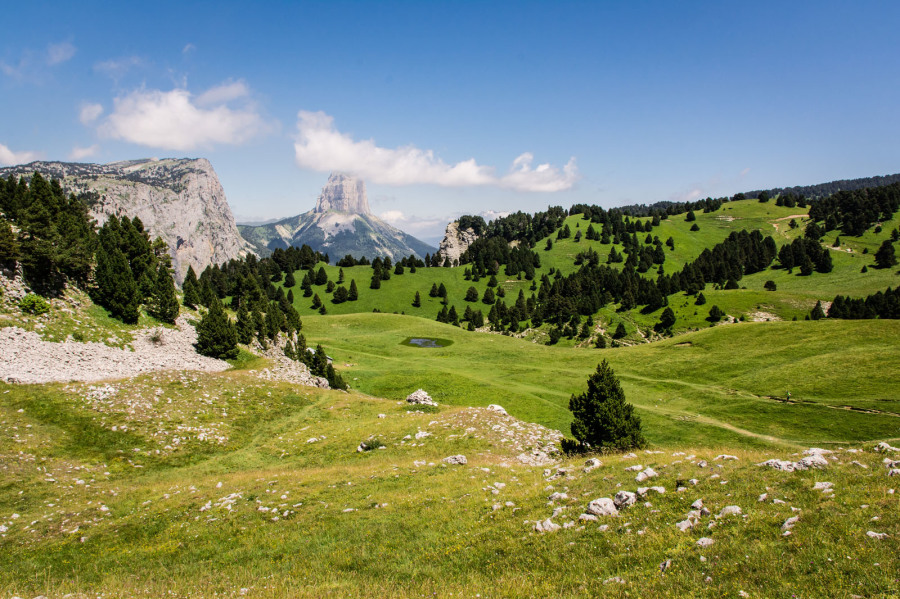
715, 314
603, 420
9, 247
216, 334
352, 295
885, 257
434, 290
818, 312
163, 303
340, 295
620, 331
340, 276
244, 325
666, 320
471, 295
417, 302
289, 280
488, 296
321, 276
116, 289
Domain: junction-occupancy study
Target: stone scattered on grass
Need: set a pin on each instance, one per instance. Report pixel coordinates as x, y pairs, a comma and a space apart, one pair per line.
823, 486
704, 542
884, 447
790, 522
624, 499
455, 460
546, 526
591, 464
876, 535
420, 397
730, 510
603, 506
499, 409
646, 474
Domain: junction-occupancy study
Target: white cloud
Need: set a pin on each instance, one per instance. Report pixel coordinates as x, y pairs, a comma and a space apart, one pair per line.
89, 113
59, 53
79, 153
232, 90
8, 157
319, 146
118, 67
176, 120
745, 172
393, 216
188, 48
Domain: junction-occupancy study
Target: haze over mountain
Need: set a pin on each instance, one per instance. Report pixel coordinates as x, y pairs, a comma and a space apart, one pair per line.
180, 200
340, 224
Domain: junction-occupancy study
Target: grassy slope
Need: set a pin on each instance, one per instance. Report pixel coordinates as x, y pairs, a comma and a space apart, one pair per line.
102, 513
795, 297
696, 394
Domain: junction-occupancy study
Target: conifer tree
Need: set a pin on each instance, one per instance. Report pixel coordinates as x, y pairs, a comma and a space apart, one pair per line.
434, 290
603, 419
244, 325
340, 295
321, 276
191, 290
116, 289
340, 276
620, 332
885, 257
216, 334
417, 302
289, 280
9, 247
818, 312
163, 303
471, 294
352, 294
488, 296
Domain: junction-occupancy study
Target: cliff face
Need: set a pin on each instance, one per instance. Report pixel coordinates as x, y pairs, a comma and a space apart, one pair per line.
180, 200
456, 242
340, 224
343, 193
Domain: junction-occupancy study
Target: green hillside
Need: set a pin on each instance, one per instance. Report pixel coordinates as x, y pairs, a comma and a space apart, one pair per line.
795, 296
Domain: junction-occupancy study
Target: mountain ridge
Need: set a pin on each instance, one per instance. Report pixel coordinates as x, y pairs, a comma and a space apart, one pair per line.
180, 200
341, 223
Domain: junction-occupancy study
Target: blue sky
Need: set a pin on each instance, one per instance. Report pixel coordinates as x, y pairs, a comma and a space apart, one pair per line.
449, 108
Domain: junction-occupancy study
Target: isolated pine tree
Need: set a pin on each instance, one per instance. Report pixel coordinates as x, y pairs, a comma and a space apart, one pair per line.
603, 419
352, 295
620, 331
666, 320
715, 314
216, 334
163, 303
471, 294
417, 302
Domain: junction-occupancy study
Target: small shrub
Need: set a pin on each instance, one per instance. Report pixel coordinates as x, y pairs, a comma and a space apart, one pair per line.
770, 286
34, 304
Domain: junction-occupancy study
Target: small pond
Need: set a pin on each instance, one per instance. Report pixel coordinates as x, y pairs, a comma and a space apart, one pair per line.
426, 342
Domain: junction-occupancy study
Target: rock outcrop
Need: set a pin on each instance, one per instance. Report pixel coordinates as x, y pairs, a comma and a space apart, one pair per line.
340, 224
343, 193
179, 200
456, 242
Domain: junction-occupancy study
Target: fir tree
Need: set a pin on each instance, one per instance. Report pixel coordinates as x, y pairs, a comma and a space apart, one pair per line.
603, 420
488, 296
321, 276
116, 289
352, 294
340, 295
715, 314
9, 247
289, 280
620, 331
417, 301
216, 334
666, 320
434, 290
471, 294
817, 312
885, 257
244, 325
164, 304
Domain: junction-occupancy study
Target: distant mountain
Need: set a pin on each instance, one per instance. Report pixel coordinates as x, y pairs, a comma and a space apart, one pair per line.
180, 200
340, 224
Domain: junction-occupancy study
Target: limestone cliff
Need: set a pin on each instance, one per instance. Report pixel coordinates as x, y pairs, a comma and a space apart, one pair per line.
456, 242
340, 224
180, 200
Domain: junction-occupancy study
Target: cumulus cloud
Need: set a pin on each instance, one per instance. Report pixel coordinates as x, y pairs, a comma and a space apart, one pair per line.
79, 153
59, 53
89, 113
8, 157
319, 146
178, 120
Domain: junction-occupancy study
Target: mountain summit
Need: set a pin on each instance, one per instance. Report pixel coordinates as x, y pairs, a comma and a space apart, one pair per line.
340, 224
343, 193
